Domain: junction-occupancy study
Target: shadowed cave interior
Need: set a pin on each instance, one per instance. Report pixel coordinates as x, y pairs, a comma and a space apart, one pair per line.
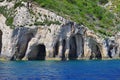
21, 47
37, 53
73, 49
56, 48
95, 50
63, 50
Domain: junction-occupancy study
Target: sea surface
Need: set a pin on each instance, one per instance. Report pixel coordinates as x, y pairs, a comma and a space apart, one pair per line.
60, 70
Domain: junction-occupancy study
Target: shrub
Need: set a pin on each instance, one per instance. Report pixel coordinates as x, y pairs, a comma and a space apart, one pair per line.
18, 4
39, 23
103, 1
8, 14
9, 21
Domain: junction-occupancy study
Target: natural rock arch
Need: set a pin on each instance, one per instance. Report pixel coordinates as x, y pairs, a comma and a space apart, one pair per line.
38, 52
20, 38
95, 49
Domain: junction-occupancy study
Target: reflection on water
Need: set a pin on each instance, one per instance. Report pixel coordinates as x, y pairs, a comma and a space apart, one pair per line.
60, 70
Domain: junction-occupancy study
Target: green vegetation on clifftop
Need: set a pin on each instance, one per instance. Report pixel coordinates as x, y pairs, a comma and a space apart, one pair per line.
8, 14
87, 12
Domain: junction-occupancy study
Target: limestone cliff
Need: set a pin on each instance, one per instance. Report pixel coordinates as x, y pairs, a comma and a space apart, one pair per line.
39, 34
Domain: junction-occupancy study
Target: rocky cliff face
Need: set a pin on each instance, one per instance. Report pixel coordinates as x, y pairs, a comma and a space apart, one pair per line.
40, 35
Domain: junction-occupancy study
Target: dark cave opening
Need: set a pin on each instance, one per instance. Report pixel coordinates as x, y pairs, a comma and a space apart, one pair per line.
95, 50
98, 55
73, 49
63, 50
56, 49
112, 47
23, 49
38, 53
21, 46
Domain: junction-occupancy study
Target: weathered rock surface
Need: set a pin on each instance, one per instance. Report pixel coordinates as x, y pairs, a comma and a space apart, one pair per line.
5, 37
65, 41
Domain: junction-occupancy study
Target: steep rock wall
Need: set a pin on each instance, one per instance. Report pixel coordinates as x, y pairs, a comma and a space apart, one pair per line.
5, 37
66, 42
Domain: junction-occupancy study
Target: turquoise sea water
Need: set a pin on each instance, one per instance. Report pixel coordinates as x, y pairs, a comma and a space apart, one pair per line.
60, 70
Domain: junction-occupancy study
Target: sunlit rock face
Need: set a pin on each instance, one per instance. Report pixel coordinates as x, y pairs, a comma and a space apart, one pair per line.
5, 37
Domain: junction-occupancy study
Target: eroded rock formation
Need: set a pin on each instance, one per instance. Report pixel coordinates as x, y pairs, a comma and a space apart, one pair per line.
20, 39
67, 42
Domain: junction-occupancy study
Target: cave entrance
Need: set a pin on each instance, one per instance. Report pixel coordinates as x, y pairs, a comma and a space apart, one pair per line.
22, 44
63, 50
56, 48
73, 49
38, 53
0, 40
95, 50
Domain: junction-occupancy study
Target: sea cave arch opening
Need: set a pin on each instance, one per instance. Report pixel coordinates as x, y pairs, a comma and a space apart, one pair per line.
73, 49
21, 46
95, 49
38, 52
